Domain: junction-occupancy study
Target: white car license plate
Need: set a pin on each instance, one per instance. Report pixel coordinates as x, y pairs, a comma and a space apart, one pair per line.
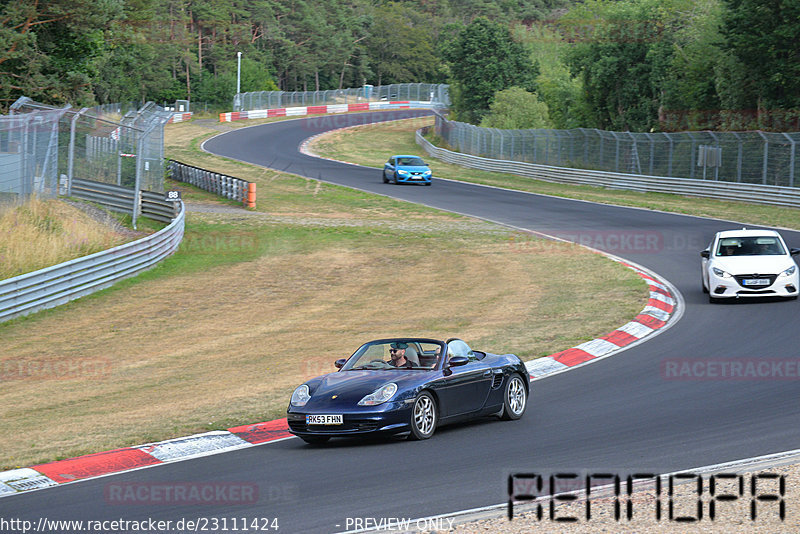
757, 282
324, 419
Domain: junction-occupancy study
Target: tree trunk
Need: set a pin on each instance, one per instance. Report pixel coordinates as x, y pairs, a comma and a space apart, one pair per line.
188, 84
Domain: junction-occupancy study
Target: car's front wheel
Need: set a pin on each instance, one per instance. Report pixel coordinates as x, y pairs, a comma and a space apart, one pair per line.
385, 179
515, 399
424, 417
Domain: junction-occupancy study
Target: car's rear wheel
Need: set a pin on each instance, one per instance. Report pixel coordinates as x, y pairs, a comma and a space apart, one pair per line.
424, 416
515, 398
315, 440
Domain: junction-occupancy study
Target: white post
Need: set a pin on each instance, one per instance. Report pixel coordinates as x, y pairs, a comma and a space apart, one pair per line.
238, 102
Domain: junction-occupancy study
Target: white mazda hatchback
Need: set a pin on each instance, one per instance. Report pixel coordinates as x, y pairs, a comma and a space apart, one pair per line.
749, 263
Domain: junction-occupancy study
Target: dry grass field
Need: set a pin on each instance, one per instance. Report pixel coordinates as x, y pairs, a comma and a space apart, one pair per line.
41, 233
255, 302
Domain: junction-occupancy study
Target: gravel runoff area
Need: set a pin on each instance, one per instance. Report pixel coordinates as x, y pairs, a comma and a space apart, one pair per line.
775, 476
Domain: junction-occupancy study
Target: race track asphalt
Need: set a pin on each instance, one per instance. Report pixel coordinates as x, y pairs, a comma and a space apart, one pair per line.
620, 414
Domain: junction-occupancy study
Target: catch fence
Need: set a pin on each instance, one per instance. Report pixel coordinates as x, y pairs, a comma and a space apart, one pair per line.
752, 157
427, 92
44, 149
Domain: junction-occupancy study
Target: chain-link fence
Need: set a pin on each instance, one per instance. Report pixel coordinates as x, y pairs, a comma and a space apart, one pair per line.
754, 157
29, 146
425, 92
42, 147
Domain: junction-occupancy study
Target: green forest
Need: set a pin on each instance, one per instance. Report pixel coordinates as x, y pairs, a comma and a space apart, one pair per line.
637, 65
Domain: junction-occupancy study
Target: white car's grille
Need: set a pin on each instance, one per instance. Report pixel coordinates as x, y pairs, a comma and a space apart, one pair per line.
755, 281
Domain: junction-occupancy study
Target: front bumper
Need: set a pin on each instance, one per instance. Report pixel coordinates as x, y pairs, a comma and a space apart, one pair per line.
392, 421
736, 286
413, 179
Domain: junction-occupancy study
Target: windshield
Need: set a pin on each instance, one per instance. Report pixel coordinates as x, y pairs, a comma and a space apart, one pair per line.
395, 354
416, 162
750, 246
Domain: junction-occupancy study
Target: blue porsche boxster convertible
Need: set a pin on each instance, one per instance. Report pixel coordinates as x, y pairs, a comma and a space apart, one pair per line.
408, 385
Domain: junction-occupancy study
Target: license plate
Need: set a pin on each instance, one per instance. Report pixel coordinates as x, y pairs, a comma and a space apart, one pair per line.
757, 282
324, 419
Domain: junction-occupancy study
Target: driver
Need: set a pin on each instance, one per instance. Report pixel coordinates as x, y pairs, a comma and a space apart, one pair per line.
397, 351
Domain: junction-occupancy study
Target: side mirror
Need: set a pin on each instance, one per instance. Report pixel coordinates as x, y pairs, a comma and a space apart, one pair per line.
458, 361
340, 363
794, 251
706, 253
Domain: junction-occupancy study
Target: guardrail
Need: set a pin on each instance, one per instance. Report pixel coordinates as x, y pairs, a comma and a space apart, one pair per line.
214, 182
326, 109
67, 281
121, 199
755, 193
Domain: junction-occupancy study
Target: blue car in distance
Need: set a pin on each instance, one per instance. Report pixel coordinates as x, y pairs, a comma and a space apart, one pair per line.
406, 170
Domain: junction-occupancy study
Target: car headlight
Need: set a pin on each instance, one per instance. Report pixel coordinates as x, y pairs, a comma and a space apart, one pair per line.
790, 271
403, 173
426, 173
720, 273
380, 395
300, 396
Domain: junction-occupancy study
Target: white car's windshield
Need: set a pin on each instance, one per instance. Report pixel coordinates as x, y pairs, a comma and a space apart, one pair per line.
750, 246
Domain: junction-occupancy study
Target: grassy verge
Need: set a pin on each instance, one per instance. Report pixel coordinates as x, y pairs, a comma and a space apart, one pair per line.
370, 145
41, 233
255, 302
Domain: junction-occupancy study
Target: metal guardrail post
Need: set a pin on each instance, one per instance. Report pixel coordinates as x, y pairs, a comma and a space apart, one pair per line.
766, 157
738, 157
652, 151
137, 188
791, 159
716, 145
71, 155
671, 153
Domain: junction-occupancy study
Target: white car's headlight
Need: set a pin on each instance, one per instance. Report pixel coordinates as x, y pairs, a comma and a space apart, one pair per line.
300, 396
790, 271
720, 273
380, 395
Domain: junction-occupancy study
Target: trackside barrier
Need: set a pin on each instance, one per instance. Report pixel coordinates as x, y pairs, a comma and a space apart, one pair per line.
180, 117
67, 281
121, 199
214, 182
755, 193
324, 110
